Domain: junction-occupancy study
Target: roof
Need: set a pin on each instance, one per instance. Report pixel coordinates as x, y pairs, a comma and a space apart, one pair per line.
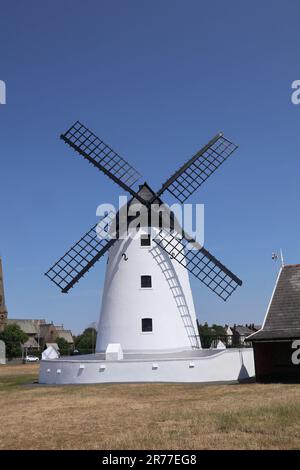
283, 315
31, 343
44, 329
65, 334
242, 330
29, 326
228, 329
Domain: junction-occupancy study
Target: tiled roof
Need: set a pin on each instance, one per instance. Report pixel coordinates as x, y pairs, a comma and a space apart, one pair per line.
65, 334
44, 329
29, 326
30, 343
242, 330
257, 327
283, 316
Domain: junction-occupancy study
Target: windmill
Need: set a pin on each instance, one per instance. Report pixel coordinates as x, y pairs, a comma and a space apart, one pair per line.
147, 303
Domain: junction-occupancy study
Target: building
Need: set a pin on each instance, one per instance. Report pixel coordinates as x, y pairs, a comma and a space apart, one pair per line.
229, 335
49, 334
31, 327
38, 331
235, 335
240, 333
3, 309
65, 334
273, 343
41, 333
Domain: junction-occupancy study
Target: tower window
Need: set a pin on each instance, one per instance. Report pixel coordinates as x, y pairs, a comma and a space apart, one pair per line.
145, 240
147, 325
146, 281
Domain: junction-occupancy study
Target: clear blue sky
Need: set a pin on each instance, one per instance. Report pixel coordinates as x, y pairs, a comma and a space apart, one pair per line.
156, 80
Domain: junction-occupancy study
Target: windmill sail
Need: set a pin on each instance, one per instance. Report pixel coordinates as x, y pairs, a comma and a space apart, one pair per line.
103, 157
199, 168
89, 249
200, 263
82, 256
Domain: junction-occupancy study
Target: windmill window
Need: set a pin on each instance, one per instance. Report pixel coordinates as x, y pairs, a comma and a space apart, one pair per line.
145, 240
146, 282
147, 326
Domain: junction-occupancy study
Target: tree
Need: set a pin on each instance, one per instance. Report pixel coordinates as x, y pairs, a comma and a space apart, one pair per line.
64, 347
86, 342
209, 333
13, 338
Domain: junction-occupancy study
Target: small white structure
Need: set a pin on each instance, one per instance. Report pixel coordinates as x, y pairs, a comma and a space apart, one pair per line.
2, 352
53, 345
219, 345
114, 352
50, 353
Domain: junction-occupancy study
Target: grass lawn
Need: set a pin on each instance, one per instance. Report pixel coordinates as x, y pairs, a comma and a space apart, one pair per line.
145, 416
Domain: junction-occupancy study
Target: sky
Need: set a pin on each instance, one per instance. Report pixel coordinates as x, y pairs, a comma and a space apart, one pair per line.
156, 80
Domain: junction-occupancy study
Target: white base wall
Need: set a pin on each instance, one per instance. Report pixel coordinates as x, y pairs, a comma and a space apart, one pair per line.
225, 366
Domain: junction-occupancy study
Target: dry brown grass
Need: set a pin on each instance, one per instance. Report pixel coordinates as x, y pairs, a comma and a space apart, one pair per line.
145, 416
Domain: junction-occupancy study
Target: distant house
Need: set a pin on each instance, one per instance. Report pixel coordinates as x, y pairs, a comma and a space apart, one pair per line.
229, 335
31, 328
273, 343
65, 334
240, 333
31, 343
48, 334
40, 333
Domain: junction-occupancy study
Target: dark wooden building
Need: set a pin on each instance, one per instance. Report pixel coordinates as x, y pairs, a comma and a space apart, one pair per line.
274, 344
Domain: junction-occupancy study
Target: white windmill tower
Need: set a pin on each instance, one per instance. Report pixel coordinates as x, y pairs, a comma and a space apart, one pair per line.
147, 304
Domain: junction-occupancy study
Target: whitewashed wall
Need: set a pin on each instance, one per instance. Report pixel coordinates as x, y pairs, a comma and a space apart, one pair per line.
225, 366
169, 302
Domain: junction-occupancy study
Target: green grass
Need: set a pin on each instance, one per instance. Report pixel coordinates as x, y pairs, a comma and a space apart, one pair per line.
13, 381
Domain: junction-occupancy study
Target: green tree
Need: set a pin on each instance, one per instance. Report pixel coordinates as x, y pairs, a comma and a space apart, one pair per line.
13, 338
209, 333
64, 347
86, 342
